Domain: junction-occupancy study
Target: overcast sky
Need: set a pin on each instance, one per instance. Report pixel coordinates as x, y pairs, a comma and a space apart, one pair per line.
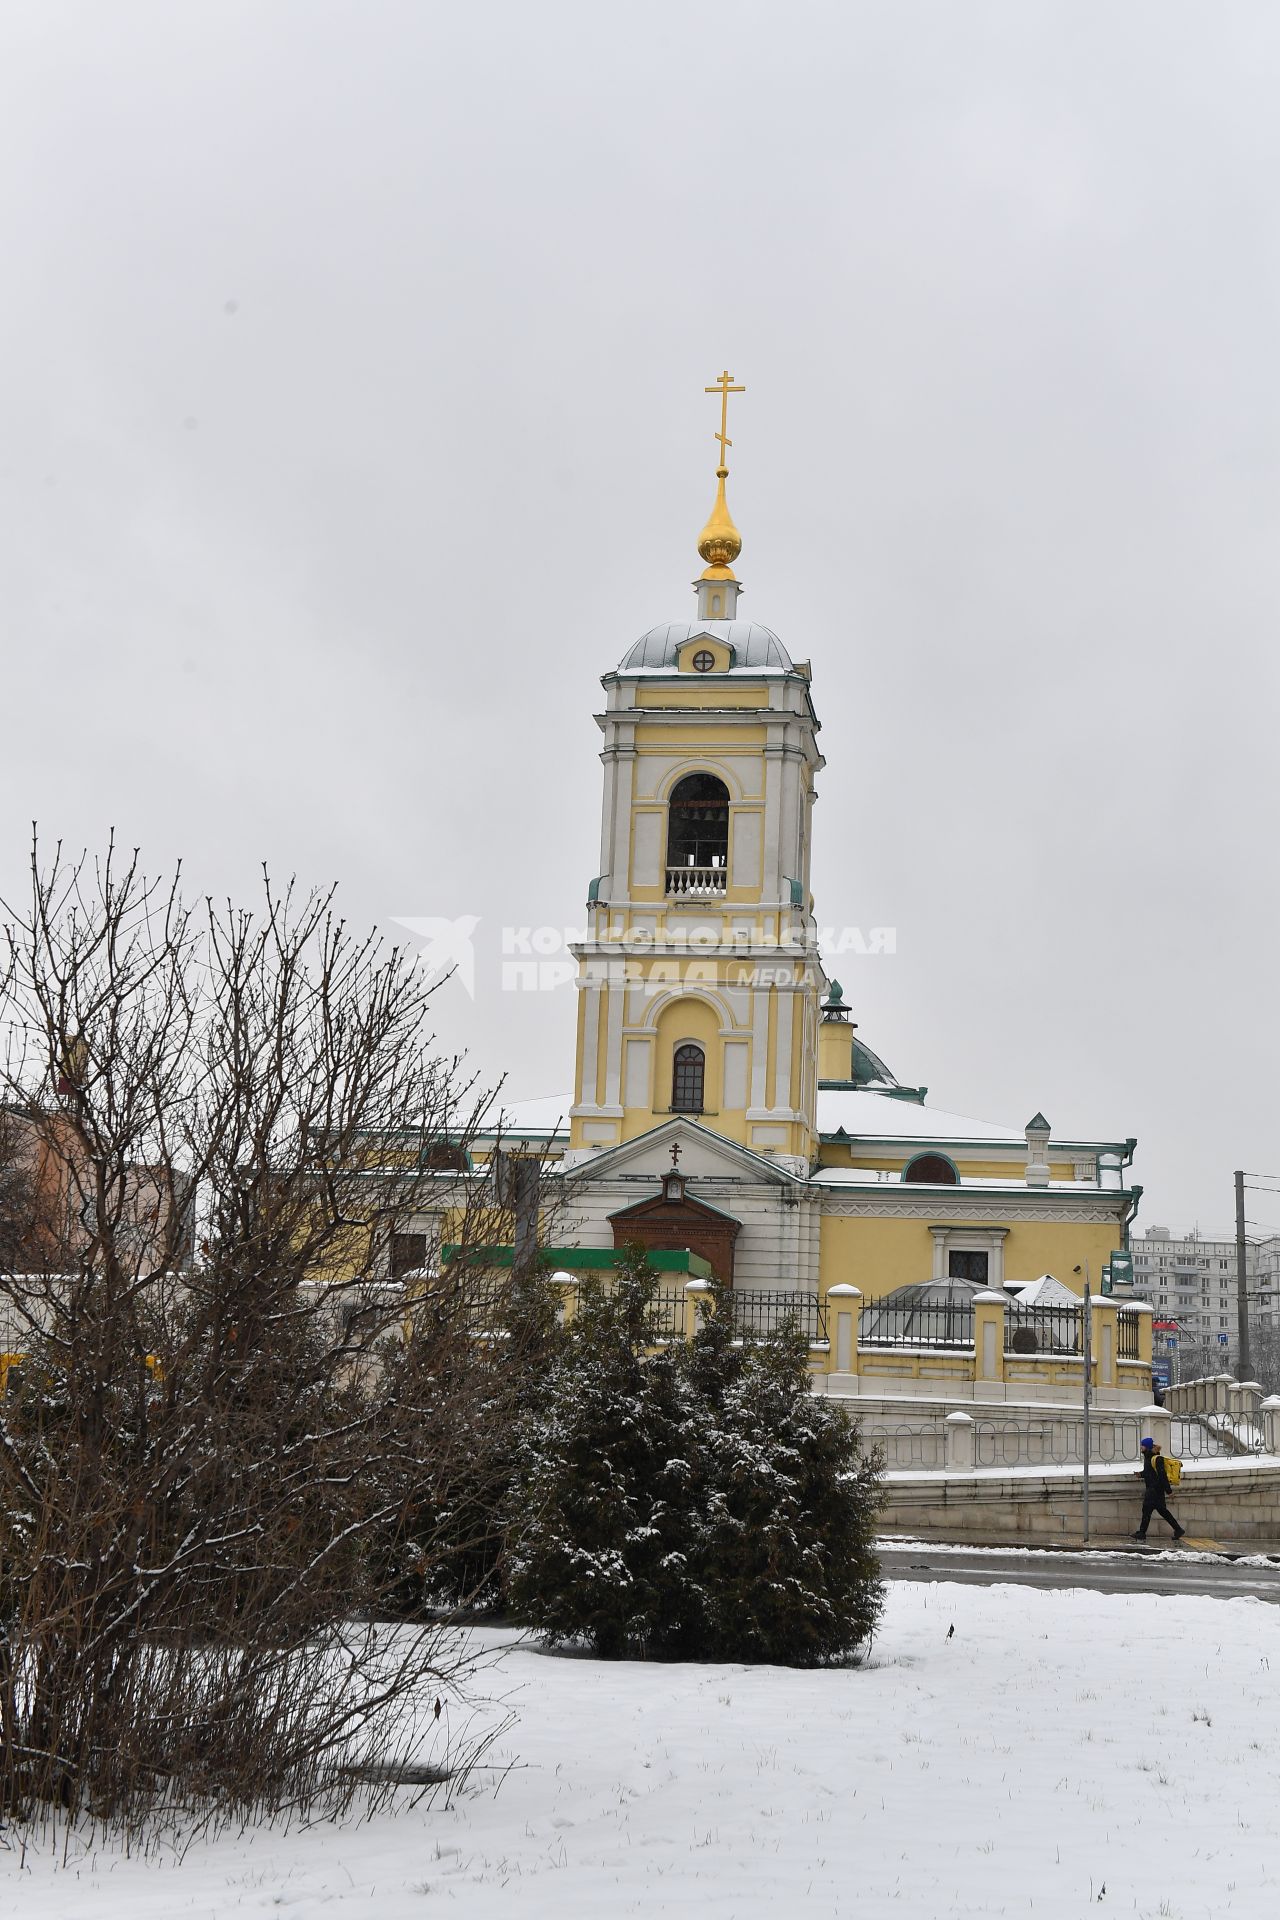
352, 425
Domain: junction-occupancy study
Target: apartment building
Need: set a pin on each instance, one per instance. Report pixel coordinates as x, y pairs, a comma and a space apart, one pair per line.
1193, 1281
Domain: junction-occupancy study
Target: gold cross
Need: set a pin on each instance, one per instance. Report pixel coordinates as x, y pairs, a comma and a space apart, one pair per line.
724, 387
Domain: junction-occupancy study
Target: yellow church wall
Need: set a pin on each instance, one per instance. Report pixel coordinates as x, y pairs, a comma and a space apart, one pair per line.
674, 737
695, 696
1043, 1246
842, 1154
878, 1255
873, 1255
688, 1019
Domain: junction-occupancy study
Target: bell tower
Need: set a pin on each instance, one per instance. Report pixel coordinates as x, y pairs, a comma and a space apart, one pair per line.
699, 977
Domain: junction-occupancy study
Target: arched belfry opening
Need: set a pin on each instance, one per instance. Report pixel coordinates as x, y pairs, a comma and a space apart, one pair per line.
698, 835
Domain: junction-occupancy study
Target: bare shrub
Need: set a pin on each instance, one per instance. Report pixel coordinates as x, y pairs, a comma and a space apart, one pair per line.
225, 1411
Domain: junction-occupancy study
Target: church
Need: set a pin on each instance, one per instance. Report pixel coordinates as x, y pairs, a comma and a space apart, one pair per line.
724, 1102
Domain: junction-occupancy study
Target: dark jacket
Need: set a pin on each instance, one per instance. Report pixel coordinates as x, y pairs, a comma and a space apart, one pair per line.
1154, 1478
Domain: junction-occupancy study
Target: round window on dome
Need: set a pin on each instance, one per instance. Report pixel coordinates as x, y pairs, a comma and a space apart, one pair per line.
703, 660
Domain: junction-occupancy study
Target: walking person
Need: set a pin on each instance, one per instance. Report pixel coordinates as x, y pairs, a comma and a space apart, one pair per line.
1155, 1488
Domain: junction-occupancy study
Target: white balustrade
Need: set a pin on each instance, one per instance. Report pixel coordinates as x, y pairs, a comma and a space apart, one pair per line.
696, 883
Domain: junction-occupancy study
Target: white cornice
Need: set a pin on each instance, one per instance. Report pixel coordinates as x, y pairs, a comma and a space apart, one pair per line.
960, 1208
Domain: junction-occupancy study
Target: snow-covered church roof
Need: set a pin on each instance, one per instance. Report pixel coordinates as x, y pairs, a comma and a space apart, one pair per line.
755, 647
858, 1113
880, 1116
874, 1115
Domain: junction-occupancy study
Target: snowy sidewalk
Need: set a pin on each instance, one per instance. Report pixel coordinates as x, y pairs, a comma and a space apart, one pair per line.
1055, 1743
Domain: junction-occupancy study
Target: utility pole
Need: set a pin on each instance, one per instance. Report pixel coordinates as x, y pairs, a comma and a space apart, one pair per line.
1086, 1343
1242, 1297
1089, 1368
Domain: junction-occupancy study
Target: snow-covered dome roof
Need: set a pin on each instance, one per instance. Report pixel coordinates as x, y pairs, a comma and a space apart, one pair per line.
753, 646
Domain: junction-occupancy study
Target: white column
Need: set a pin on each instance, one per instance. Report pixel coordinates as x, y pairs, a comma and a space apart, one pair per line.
842, 1304
782, 1065
759, 1047
959, 1441
590, 1043
772, 827
624, 772
613, 1046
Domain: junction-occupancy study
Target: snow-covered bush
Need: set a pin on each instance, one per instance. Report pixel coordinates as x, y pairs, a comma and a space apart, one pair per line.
599, 1520
694, 1501
787, 1506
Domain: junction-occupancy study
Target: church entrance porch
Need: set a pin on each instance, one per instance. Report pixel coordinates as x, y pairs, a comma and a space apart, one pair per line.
674, 1220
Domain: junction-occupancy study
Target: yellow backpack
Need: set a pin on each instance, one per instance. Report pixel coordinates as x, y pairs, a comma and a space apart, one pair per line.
1173, 1468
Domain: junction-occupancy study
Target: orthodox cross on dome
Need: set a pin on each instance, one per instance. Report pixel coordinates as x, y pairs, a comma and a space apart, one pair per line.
675, 1153
724, 387
720, 543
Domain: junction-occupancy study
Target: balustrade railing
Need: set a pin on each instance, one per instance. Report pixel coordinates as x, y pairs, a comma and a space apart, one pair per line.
696, 883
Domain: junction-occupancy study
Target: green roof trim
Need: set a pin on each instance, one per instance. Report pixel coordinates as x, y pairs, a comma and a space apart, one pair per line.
586, 1259
1038, 1124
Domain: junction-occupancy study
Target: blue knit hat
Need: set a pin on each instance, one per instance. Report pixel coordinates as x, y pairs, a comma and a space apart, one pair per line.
1147, 1445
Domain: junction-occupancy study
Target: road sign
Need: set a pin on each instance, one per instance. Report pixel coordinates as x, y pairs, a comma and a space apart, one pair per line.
1161, 1372
1224, 1339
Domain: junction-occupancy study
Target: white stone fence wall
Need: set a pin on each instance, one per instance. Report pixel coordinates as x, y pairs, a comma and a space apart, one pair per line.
1216, 1393
1219, 1415
1000, 1437
1006, 1437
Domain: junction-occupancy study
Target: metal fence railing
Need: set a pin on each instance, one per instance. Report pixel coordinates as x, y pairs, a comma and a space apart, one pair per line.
1043, 1330
756, 1316
1215, 1436
1056, 1443
1128, 1336
949, 1324
905, 1447
667, 1313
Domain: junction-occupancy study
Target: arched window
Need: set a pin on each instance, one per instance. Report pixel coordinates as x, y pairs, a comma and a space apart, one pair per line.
698, 835
930, 1169
688, 1077
442, 1156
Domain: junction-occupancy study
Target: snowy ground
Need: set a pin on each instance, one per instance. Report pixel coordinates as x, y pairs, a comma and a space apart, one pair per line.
1057, 1744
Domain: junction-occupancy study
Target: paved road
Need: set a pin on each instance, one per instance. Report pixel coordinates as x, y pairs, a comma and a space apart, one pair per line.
1130, 1573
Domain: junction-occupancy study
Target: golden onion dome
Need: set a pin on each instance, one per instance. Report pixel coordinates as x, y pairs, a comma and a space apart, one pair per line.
720, 543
